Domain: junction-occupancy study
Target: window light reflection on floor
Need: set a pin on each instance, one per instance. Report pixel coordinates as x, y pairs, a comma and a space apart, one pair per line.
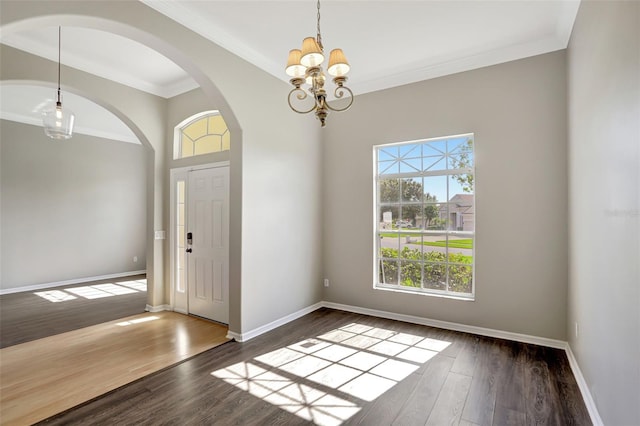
55, 295
114, 289
89, 292
95, 291
137, 321
140, 285
324, 380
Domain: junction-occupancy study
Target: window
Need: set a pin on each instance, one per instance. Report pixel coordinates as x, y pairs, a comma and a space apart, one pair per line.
181, 263
425, 216
203, 133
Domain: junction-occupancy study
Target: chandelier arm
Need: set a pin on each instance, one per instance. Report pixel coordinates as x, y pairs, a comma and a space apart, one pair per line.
301, 95
339, 93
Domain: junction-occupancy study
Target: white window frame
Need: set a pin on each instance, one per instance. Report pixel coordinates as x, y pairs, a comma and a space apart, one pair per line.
377, 227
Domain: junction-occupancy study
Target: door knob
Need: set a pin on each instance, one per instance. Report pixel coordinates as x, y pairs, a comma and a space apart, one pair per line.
189, 250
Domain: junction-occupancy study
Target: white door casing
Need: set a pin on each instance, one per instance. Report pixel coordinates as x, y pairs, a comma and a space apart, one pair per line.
208, 261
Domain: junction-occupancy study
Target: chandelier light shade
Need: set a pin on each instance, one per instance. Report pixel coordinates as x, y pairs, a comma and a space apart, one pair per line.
311, 53
305, 67
338, 65
294, 68
58, 122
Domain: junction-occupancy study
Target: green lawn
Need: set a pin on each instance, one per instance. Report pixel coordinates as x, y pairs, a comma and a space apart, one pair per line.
395, 234
465, 243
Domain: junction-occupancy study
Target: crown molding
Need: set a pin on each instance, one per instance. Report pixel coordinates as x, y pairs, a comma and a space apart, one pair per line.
454, 66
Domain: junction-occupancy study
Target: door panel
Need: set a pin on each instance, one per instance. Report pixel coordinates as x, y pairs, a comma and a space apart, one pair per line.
208, 219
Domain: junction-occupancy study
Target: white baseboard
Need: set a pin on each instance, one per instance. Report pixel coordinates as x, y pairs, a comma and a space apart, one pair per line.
158, 308
517, 337
489, 332
243, 337
234, 336
584, 388
69, 282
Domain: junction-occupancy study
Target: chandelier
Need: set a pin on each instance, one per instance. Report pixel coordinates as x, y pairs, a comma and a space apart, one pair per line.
305, 68
58, 122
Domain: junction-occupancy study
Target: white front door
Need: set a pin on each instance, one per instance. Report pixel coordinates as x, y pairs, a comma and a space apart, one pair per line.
208, 247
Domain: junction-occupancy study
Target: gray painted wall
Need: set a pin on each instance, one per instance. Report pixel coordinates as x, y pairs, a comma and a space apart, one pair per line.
142, 112
517, 112
604, 163
70, 209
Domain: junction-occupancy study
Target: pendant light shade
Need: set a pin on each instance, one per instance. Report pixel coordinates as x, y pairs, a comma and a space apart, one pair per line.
58, 122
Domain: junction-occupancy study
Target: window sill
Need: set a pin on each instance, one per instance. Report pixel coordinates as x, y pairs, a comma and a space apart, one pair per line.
465, 298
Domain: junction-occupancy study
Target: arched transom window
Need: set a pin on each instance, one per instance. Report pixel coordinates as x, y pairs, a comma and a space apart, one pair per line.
203, 133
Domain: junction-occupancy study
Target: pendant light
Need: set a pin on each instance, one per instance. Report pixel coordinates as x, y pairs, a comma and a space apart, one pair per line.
305, 66
58, 122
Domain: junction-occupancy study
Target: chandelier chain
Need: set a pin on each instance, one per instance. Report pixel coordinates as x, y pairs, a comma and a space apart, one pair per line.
319, 37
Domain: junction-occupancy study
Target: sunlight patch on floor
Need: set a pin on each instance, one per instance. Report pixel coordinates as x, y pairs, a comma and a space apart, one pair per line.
95, 291
55, 295
140, 285
325, 379
137, 321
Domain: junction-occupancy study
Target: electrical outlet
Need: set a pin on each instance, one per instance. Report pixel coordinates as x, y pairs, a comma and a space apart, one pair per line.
576, 330
326, 282
135, 259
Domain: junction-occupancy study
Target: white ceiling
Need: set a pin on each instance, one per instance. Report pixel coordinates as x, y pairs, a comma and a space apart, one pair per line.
387, 42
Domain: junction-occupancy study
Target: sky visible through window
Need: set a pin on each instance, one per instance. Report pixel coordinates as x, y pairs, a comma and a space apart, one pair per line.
427, 156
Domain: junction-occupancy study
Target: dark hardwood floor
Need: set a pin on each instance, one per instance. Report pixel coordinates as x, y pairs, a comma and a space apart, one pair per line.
334, 367
26, 316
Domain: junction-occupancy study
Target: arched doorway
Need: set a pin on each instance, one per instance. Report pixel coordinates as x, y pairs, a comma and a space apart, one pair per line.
147, 128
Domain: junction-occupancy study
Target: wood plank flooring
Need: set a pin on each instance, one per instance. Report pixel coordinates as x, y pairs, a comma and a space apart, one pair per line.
332, 367
47, 376
26, 316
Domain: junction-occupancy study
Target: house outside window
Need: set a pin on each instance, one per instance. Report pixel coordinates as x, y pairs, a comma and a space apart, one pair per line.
425, 216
